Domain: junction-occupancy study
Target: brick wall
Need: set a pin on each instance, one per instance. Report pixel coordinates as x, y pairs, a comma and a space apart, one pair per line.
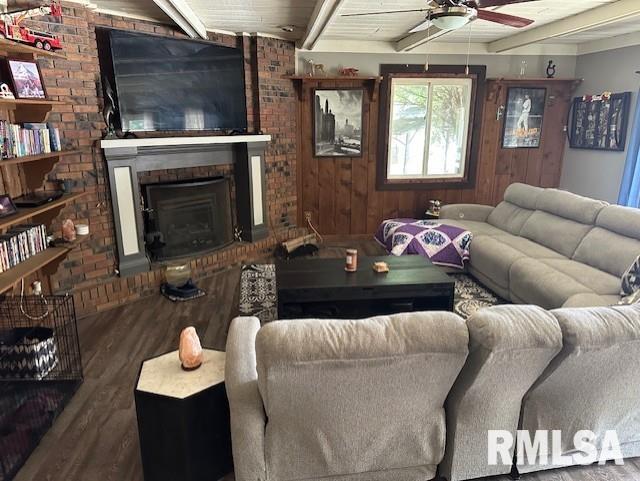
90, 269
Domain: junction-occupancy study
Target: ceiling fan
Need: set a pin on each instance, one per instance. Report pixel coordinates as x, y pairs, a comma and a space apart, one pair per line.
454, 14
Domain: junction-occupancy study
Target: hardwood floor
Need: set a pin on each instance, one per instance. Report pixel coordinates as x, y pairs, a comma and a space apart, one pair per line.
96, 439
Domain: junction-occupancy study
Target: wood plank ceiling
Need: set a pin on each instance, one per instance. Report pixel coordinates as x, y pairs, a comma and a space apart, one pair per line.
269, 16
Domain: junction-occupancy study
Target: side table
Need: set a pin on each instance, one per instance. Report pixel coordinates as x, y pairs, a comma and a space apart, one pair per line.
183, 419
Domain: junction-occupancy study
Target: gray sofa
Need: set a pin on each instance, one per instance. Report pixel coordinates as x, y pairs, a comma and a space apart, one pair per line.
549, 247
342, 400
366, 400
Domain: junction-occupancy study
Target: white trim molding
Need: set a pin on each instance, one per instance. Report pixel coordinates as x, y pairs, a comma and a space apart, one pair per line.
438, 47
596, 17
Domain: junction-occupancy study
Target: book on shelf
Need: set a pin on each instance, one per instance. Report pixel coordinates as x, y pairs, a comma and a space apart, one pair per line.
28, 139
20, 243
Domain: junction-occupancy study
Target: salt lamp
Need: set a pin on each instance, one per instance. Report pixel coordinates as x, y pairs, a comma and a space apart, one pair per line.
68, 230
190, 351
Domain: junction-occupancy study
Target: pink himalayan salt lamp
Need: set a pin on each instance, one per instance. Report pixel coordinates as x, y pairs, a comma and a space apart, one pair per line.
68, 230
190, 351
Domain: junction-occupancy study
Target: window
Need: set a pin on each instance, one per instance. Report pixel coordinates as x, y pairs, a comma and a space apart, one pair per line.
428, 128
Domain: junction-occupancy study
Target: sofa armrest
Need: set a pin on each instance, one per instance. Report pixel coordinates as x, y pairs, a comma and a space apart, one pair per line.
248, 419
475, 212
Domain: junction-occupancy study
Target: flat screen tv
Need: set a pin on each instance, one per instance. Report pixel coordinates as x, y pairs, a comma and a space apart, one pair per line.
166, 84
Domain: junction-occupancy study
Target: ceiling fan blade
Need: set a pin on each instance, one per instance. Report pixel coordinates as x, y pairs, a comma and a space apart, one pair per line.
421, 26
384, 13
499, 3
504, 19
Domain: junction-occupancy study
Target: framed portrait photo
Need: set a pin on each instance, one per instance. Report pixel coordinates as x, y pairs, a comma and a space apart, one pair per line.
337, 122
26, 79
523, 118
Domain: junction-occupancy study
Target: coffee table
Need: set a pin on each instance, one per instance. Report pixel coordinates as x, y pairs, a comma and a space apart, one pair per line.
321, 288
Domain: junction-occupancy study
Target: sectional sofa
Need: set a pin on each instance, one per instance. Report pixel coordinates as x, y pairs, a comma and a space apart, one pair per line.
407, 396
549, 247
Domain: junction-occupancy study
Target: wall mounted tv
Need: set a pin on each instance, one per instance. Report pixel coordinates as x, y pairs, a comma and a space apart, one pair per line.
166, 84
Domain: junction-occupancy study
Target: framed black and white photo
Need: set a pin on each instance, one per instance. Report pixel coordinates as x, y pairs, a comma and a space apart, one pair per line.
523, 118
337, 122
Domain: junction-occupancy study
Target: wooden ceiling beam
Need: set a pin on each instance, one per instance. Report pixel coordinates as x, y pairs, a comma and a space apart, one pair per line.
324, 12
596, 17
183, 16
416, 39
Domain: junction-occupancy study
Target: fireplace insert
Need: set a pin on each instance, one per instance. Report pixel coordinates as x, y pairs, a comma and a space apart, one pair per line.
187, 218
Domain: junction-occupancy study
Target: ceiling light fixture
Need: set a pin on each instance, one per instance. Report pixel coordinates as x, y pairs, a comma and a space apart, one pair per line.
453, 18
287, 28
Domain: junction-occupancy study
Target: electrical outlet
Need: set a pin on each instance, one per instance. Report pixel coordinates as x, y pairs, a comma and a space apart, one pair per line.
307, 215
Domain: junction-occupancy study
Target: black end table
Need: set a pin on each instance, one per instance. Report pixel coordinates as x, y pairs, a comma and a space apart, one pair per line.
321, 288
183, 419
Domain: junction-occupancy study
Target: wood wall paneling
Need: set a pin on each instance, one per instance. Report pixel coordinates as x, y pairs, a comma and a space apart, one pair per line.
341, 195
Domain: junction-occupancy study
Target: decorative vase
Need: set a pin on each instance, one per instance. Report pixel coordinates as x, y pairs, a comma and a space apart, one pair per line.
190, 351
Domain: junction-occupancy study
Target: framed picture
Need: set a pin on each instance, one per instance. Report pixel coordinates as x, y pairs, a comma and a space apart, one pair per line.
523, 118
599, 122
27, 80
337, 122
7, 207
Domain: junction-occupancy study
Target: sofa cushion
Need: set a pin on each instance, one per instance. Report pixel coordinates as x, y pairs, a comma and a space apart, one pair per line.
476, 228
570, 206
591, 300
555, 232
598, 281
608, 251
530, 248
493, 259
509, 217
534, 282
621, 220
523, 195
330, 386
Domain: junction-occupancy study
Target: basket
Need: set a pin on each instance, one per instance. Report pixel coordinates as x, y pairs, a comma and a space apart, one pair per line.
27, 353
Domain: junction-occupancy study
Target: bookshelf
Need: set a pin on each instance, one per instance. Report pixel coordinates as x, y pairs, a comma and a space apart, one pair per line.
29, 110
34, 158
42, 260
25, 174
13, 49
42, 214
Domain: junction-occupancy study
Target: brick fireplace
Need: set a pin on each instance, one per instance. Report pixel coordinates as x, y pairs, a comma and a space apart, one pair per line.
127, 157
90, 271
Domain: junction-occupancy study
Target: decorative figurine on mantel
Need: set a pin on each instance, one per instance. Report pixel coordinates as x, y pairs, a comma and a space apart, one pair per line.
190, 351
551, 69
349, 72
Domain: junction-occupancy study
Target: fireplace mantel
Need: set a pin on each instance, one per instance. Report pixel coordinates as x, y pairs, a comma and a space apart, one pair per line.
183, 141
127, 157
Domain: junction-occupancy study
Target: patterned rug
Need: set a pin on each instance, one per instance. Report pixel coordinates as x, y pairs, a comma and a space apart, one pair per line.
258, 296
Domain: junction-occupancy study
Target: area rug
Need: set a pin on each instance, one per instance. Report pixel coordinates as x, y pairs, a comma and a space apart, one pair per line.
258, 295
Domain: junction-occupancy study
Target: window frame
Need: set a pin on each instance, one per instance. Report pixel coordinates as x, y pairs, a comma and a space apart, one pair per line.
477, 74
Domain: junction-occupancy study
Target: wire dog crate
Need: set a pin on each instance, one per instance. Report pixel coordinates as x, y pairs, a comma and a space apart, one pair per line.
40, 370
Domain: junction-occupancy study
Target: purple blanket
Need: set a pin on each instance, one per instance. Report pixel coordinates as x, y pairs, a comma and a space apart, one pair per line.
443, 244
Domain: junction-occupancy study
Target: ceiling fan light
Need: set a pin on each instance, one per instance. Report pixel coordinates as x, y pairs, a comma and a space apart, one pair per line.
453, 17
450, 22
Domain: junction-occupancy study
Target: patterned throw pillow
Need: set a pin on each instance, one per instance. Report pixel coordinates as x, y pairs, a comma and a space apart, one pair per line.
631, 284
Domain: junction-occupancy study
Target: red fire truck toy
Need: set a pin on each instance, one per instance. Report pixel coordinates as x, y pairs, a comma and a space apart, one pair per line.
11, 28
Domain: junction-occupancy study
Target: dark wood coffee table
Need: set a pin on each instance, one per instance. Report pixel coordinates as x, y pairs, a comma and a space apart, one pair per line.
321, 288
